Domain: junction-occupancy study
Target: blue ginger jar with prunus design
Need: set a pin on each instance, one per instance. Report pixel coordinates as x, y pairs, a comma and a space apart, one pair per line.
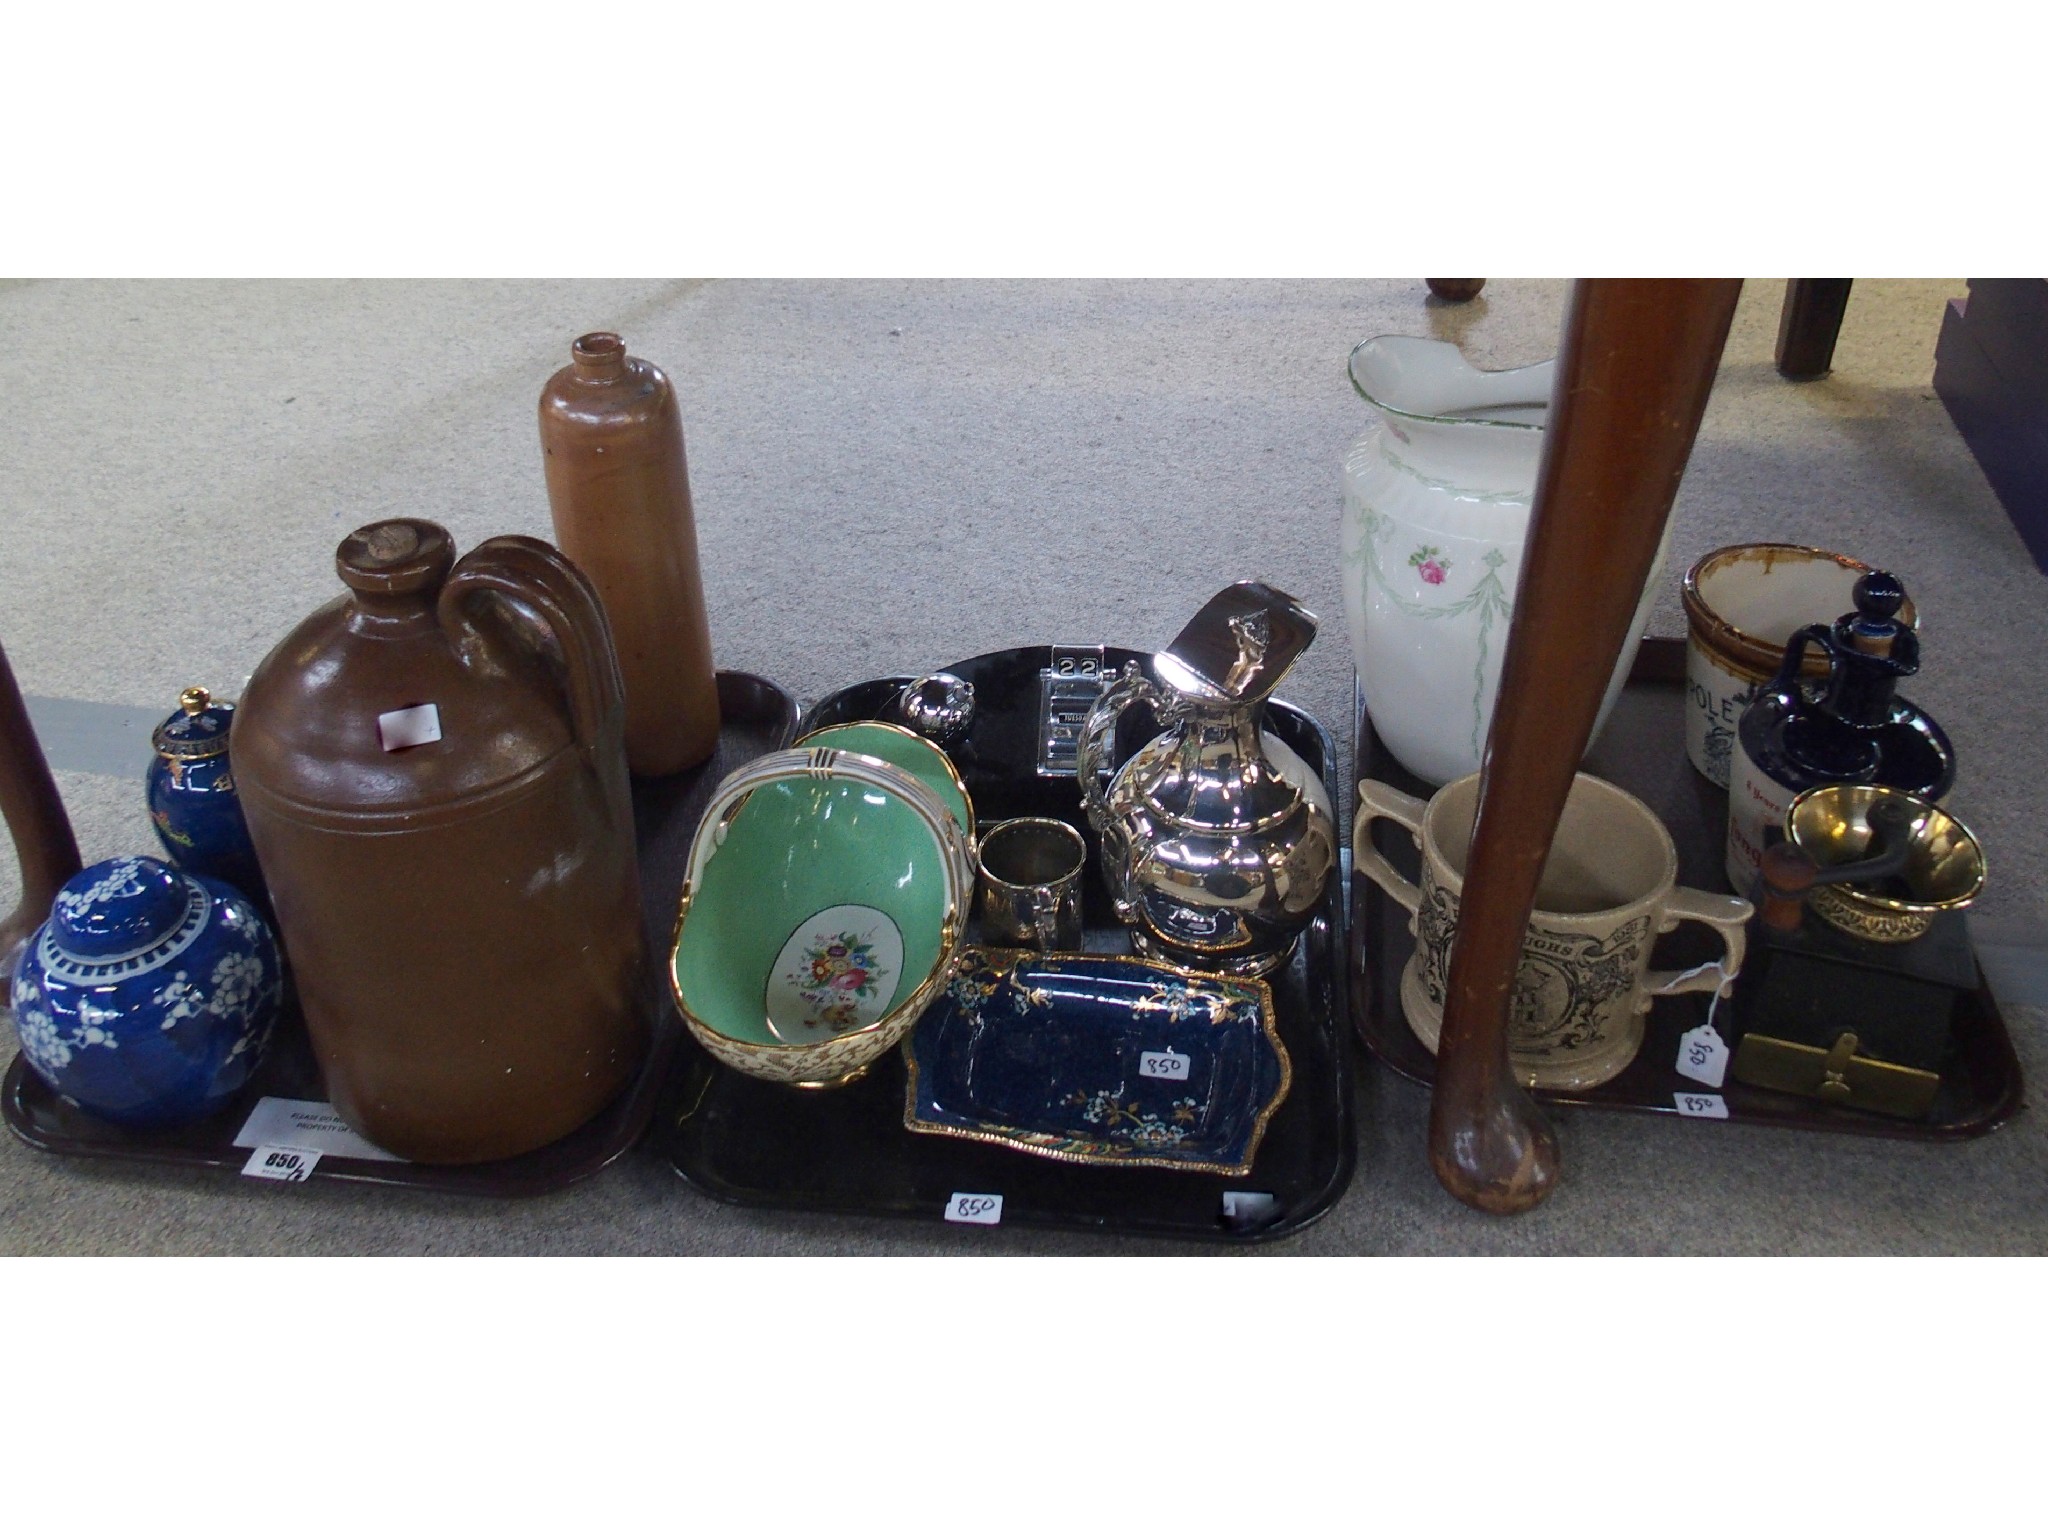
150, 995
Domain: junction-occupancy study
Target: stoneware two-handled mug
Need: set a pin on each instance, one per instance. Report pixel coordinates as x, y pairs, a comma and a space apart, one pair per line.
1607, 890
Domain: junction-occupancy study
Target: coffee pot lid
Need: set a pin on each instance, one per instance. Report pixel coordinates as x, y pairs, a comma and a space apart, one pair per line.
1239, 647
119, 907
198, 729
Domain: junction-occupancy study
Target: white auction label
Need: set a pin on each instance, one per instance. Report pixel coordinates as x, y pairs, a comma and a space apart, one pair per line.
1703, 1055
309, 1125
413, 727
1170, 1065
293, 1165
980, 1210
1701, 1106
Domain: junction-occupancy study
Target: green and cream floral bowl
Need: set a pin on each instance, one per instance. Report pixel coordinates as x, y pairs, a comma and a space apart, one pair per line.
923, 760
825, 895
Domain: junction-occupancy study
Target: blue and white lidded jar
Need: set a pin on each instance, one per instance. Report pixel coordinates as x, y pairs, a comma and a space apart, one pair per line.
192, 799
149, 996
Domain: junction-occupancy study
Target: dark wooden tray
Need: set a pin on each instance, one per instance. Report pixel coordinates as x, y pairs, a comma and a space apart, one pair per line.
1643, 750
756, 1143
759, 717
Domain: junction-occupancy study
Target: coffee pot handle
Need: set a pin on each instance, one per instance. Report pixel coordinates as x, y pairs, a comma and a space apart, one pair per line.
537, 576
1131, 686
1377, 801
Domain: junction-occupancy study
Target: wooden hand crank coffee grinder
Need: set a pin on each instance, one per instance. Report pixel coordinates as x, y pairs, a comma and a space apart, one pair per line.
1633, 377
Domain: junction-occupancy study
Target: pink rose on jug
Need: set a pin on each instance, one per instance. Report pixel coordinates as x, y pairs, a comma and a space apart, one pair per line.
1430, 564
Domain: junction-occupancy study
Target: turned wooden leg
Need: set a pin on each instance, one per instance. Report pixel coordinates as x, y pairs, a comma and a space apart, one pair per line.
43, 842
1632, 379
1809, 324
1455, 290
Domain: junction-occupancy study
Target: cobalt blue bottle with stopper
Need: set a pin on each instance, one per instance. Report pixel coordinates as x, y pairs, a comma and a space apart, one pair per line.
1854, 729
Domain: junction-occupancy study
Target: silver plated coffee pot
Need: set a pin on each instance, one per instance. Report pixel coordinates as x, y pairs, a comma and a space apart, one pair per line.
1217, 841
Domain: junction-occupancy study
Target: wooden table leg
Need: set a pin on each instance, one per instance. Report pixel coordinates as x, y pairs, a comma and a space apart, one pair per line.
1809, 324
43, 841
1633, 376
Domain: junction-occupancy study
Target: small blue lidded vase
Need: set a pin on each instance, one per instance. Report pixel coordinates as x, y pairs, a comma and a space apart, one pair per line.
192, 799
150, 995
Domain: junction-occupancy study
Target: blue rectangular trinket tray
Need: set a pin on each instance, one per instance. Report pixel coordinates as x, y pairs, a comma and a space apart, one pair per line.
1103, 1059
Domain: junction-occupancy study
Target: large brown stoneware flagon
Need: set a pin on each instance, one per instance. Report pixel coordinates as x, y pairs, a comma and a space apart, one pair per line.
619, 487
462, 917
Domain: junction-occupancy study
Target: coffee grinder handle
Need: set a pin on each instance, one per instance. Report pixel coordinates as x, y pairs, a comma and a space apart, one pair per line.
538, 577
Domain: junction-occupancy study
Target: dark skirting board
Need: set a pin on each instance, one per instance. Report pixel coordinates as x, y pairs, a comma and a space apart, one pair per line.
758, 717
847, 1151
1643, 750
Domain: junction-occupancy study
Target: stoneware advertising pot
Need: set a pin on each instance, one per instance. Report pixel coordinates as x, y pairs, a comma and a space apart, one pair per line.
1743, 603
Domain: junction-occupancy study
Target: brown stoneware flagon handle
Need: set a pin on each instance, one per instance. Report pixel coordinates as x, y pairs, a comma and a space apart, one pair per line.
43, 842
540, 578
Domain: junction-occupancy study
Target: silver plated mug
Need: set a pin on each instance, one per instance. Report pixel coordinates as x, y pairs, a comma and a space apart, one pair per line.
1030, 882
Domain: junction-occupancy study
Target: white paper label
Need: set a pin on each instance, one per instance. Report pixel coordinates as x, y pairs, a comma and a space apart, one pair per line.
1701, 1106
292, 1165
1703, 1055
1170, 1065
980, 1210
413, 727
310, 1126
1247, 1205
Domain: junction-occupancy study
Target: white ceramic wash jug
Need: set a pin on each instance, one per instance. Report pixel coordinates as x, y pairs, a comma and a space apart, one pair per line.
1436, 506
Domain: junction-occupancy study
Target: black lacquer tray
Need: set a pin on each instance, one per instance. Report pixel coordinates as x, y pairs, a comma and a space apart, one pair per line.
758, 718
757, 1143
1643, 750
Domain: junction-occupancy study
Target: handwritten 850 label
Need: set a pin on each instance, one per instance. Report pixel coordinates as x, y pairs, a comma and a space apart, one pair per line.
288, 1165
1701, 1106
975, 1210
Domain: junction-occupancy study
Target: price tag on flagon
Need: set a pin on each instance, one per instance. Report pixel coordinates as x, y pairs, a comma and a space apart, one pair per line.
1703, 1055
290, 1165
977, 1210
1170, 1065
414, 727
1701, 1106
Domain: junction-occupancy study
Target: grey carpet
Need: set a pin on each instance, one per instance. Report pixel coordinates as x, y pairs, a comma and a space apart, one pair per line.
893, 475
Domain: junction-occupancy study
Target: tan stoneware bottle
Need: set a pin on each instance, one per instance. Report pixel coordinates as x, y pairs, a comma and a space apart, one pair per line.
462, 914
619, 487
